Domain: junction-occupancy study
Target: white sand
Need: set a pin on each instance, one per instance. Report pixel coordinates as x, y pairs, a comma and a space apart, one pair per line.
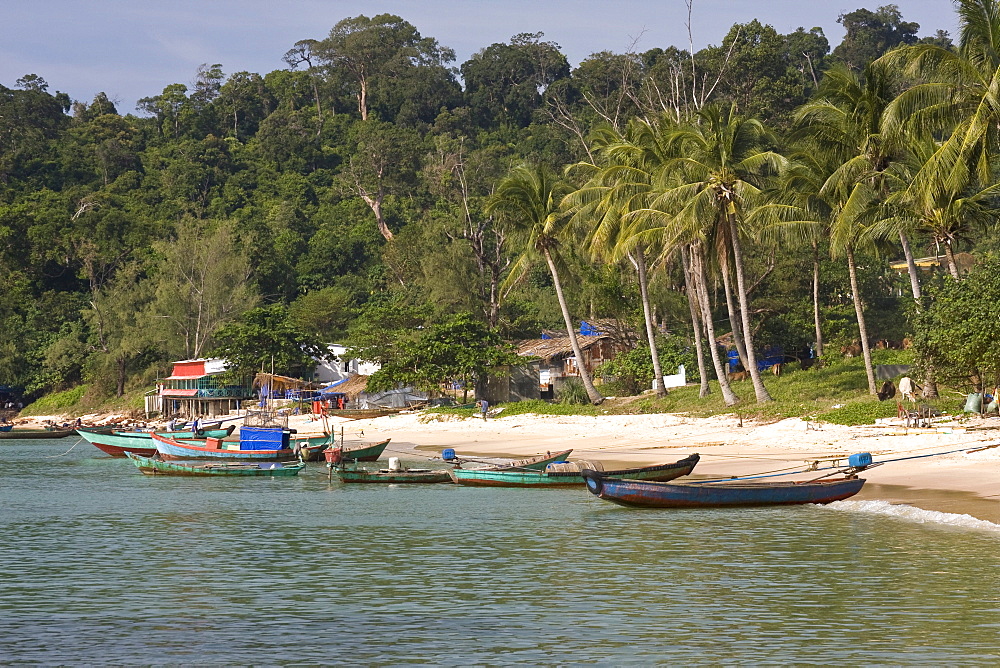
727, 449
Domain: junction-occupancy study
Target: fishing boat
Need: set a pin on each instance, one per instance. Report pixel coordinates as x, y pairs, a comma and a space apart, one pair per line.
117, 443
536, 463
360, 452
268, 444
153, 466
6, 427
719, 494
310, 447
569, 474
396, 474
37, 433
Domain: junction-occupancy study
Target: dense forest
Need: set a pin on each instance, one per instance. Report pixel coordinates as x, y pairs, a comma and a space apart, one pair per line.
375, 192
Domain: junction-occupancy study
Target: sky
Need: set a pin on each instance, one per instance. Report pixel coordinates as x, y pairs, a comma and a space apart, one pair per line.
134, 48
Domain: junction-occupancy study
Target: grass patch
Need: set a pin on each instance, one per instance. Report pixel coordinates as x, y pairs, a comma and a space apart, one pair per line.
84, 399
837, 393
56, 403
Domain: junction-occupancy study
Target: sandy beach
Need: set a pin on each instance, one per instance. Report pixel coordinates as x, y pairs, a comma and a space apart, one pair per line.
961, 482
964, 481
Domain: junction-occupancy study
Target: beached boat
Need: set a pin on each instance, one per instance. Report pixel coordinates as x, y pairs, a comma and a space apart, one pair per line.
36, 433
536, 463
269, 444
117, 443
719, 494
311, 447
153, 466
6, 427
569, 474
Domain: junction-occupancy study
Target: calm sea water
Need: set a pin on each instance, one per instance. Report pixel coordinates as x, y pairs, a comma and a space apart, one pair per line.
101, 564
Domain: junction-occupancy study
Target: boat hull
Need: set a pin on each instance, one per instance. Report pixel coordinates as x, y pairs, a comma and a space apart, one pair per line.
519, 478
175, 450
718, 495
151, 466
34, 434
118, 443
535, 463
365, 452
394, 477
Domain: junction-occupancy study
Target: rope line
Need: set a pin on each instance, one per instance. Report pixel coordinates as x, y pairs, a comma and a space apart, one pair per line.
78, 441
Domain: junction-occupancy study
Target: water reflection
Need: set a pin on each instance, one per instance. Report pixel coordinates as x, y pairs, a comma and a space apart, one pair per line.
105, 565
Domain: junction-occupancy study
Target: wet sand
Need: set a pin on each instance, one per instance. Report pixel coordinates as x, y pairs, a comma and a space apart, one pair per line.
961, 482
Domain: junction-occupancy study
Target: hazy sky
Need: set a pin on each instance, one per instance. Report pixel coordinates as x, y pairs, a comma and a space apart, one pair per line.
133, 48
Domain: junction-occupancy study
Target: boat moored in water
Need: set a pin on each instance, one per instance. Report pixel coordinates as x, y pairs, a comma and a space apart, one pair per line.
568, 474
154, 466
719, 494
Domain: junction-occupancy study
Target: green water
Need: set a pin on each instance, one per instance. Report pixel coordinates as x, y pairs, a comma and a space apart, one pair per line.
101, 564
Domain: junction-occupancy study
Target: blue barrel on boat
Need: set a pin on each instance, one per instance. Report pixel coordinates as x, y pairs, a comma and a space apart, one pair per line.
448, 454
860, 459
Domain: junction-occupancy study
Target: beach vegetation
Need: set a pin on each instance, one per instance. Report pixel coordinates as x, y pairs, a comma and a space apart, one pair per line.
769, 196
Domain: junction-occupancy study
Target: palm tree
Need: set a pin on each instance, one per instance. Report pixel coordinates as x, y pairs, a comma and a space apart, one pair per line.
954, 91
949, 211
620, 184
850, 118
722, 162
529, 198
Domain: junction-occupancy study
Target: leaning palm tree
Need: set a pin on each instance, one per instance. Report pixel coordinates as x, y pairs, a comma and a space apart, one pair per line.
722, 164
528, 197
618, 184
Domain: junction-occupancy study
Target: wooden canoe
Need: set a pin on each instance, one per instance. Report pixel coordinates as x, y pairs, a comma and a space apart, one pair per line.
536, 463
36, 433
554, 478
153, 466
404, 476
719, 494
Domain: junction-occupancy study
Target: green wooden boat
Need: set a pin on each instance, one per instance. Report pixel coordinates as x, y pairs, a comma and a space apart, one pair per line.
151, 466
569, 474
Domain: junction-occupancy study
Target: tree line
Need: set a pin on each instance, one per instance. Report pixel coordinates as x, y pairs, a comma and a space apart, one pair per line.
374, 192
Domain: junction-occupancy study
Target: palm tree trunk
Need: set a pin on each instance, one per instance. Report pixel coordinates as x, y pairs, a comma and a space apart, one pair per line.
701, 288
640, 263
819, 328
758, 384
592, 393
949, 256
734, 322
911, 265
689, 287
862, 328
930, 384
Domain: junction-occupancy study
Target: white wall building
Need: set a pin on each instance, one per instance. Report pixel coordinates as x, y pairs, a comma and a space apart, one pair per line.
338, 368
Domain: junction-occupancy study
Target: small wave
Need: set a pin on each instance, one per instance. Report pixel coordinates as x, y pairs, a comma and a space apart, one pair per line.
913, 514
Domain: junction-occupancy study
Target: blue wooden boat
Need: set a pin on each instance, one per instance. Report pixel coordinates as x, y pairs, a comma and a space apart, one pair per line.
6, 427
719, 494
262, 444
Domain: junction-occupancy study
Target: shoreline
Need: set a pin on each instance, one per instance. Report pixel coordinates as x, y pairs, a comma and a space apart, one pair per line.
961, 482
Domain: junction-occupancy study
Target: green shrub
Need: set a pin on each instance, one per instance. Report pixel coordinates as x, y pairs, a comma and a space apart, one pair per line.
56, 403
572, 392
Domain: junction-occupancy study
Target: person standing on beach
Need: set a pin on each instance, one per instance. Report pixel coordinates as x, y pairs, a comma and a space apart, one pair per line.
484, 406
